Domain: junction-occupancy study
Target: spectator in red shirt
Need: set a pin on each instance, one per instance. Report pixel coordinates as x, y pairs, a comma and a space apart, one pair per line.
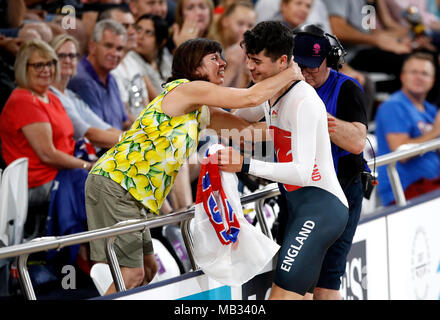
34, 124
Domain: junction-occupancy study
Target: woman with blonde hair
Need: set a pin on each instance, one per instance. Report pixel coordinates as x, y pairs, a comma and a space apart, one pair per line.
194, 19
34, 124
85, 122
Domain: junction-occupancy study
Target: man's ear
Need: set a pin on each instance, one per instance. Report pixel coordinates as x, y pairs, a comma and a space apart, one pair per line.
284, 62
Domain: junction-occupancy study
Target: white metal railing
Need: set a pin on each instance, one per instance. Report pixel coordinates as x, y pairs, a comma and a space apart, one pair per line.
184, 217
391, 159
109, 233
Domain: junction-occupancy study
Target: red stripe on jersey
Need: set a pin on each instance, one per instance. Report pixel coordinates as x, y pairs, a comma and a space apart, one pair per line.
283, 149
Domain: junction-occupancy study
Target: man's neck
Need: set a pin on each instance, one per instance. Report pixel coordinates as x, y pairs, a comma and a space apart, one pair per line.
102, 73
280, 93
417, 99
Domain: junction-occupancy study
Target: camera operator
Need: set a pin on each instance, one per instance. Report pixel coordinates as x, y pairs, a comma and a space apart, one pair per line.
344, 99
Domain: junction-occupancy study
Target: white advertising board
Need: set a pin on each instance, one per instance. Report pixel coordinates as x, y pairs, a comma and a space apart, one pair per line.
366, 275
198, 286
414, 249
396, 256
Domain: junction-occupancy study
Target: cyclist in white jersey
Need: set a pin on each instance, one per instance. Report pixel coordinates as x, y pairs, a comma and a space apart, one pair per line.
318, 209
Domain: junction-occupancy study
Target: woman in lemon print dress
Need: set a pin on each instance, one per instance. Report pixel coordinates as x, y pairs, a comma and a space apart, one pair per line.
139, 171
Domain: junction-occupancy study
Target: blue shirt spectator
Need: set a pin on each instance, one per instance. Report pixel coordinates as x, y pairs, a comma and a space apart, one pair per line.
104, 100
398, 115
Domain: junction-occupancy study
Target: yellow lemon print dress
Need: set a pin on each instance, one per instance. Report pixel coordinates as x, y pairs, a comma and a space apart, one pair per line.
146, 160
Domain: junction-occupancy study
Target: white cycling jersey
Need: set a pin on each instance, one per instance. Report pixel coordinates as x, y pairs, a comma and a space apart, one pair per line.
298, 123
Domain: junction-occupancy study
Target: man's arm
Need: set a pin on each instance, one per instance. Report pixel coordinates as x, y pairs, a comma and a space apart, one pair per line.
230, 126
350, 136
388, 21
347, 33
15, 13
297, 172
349, 125
395, 140
380, 39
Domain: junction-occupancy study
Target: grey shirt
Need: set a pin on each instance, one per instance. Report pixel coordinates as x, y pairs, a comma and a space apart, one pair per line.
351, 11
79, 112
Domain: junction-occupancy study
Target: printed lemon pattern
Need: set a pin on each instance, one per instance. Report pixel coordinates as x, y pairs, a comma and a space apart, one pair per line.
149, 155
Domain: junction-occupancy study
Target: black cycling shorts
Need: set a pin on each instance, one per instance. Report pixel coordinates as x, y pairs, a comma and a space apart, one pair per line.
316, 218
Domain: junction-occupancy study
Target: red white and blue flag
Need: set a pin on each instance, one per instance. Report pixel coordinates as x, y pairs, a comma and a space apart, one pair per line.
218, 220
221, 216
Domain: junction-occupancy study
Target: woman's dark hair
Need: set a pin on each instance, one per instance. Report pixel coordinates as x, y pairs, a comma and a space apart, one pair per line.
272, 36
188, 57
160, 34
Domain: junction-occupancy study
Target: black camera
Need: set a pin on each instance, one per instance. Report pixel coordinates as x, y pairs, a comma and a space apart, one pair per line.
368, 183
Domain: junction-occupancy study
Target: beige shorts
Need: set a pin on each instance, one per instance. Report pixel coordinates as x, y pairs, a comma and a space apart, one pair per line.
107, 203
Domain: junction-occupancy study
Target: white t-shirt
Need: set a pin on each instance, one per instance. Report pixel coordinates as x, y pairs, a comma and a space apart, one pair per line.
298, 120
129, 75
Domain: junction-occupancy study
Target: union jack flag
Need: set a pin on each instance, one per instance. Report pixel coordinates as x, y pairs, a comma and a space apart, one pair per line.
210, 181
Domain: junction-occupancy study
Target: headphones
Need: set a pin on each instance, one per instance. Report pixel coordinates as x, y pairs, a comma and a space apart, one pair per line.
336, 54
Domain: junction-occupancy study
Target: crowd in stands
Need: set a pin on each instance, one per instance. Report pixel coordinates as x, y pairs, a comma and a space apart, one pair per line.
89, 70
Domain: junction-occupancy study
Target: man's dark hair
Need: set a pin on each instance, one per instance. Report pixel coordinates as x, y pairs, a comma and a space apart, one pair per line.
188, 57
272, 36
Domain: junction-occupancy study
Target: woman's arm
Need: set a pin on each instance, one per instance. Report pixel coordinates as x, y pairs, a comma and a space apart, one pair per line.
190, 96
152, 93
303, 149
228, 124
223, 120
102, 138
39, 136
